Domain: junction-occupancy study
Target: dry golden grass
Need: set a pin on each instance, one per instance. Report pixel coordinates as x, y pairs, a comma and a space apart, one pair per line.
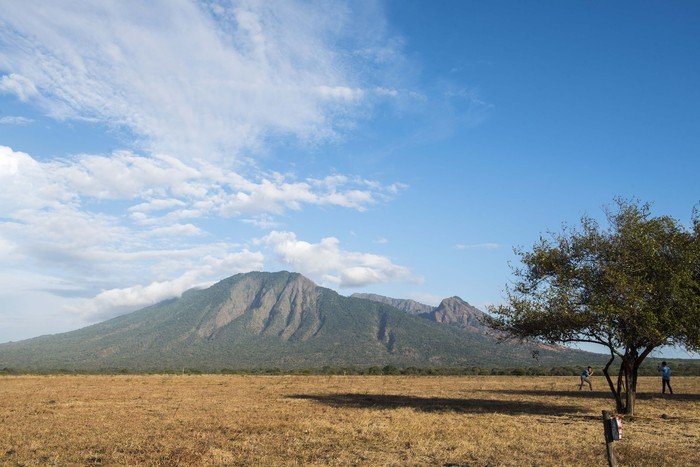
374, 420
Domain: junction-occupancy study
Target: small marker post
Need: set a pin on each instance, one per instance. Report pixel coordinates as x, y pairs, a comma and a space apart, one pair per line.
608, 420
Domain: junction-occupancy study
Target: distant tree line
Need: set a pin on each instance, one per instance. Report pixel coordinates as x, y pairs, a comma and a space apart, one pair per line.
679, 368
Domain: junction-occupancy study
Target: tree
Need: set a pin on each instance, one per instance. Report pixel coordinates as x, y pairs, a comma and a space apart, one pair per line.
631, 287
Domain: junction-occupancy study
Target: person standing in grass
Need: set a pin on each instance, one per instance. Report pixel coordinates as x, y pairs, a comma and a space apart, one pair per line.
586, 378
665, 378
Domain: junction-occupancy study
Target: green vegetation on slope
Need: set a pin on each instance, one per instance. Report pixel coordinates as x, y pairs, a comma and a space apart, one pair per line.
272, 320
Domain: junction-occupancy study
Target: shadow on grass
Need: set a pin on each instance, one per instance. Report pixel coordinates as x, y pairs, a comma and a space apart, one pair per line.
439, 404
591, 394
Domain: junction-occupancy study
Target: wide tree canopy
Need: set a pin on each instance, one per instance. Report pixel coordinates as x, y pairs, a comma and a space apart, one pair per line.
631, 286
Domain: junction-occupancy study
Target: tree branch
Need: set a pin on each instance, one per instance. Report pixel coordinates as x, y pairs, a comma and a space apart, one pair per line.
590, 341
616, 394
638, 361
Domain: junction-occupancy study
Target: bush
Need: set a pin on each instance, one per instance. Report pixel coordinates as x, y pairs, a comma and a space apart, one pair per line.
391, 370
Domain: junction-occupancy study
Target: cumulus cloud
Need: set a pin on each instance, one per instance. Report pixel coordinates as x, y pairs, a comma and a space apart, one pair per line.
195, 80
45, 224
51, 219
326, 262
163, 191
113, 302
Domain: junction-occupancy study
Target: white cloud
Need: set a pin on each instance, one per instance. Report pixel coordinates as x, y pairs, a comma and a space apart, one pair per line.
18, 85
262, 221
26, 183
480, 246
176, 230
341, 93
327, 262
113, 302
165, 190
14, 280
192, 80
203, 88
15, 120
52, 220
386, 91
6, 247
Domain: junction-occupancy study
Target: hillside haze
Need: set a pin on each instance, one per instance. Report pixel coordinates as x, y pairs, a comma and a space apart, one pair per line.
280, 319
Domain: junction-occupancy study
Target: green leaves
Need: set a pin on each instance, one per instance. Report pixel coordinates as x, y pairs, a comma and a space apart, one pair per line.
633, 285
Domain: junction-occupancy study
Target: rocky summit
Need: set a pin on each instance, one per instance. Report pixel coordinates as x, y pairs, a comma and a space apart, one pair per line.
452, 310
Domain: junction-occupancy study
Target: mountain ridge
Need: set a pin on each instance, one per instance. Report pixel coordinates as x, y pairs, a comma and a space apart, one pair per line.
451, 310
261, 319
404, 304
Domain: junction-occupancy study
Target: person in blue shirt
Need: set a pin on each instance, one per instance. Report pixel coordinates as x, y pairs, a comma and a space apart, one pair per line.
586, 378
665, 378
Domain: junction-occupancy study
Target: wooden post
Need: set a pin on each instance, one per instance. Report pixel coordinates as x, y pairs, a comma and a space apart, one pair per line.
608, 439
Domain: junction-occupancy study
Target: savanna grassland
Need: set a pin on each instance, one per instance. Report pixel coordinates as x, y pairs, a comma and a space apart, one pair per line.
378, 420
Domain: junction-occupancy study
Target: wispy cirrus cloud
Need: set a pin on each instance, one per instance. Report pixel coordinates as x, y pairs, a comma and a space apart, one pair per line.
15, 120
18, 85
478, 246
243, 71
201, 88
262, 221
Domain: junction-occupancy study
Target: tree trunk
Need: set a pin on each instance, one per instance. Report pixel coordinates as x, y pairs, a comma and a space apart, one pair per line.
630, 399
625, 391
627, 378
616, 393
630, 367
620, 389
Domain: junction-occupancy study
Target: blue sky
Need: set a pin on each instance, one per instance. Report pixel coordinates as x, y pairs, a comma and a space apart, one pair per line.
402, 147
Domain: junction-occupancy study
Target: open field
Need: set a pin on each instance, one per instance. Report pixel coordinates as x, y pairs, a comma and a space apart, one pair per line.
336, 420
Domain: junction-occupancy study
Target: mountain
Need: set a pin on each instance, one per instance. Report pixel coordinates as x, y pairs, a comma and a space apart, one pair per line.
411, 307
452, 310
456, 311
260, 319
